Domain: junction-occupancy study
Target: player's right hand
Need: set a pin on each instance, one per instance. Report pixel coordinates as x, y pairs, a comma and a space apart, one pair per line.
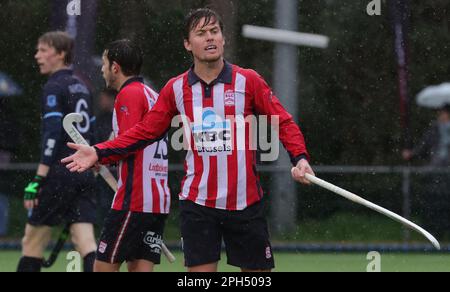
32, 191
85, 158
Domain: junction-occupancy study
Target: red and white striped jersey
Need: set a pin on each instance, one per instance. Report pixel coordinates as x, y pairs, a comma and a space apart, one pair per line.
143, 174
219, 174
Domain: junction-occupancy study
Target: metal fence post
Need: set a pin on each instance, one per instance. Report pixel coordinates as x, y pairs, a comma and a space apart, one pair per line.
406, 191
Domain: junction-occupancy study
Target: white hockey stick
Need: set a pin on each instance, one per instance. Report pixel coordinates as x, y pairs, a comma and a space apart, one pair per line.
73, 133
354, 198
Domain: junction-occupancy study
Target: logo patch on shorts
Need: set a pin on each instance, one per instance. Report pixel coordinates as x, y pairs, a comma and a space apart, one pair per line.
102, 247
51, 100
268, 253
154, 241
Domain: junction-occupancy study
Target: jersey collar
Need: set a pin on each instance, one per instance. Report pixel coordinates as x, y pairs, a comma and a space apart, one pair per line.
62, 72
226, 76
132, 80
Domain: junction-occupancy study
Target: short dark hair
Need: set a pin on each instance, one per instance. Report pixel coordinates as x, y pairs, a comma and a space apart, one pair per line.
62, 42
195, 16
127, 54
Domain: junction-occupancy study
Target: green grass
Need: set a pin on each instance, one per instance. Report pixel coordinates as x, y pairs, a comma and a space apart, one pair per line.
291, 262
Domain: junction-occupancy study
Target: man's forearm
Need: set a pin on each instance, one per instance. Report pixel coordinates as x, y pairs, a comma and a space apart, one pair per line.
43, 170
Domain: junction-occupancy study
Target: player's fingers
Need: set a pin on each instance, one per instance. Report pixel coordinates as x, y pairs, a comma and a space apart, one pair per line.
295, 173
36, 203
310, 171
29, 205
67, 159
305, 181
302, 171
71, 165
73, 146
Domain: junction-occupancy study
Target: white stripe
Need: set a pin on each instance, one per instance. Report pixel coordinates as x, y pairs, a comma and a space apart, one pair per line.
151, 96
179, 95
167, 197
197, 101
179, 98
115, 124
240, 143
122, 231
161, 194
222, 161
52, 115
147, 179
119, 182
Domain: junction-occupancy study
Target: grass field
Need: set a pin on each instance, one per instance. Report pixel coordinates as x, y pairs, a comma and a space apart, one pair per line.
291, 262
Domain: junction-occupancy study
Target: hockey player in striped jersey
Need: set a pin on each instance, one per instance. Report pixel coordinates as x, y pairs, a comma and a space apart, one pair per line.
221, 197
133, 229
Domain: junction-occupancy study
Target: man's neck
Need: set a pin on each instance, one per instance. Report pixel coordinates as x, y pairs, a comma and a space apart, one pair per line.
59, 68
208, 71
121, 81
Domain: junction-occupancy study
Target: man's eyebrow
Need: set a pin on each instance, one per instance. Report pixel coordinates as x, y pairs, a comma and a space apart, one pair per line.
215, 26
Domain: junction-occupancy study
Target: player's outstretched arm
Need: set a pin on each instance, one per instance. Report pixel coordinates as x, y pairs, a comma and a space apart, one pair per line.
85, 158
302, 168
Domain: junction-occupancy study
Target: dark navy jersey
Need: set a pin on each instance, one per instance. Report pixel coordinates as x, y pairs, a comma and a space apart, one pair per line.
63, 94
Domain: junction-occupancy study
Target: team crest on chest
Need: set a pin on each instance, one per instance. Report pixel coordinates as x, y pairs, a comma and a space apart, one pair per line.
230, 98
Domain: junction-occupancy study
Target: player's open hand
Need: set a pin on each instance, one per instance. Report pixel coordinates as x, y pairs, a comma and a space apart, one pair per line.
84, 159
302, 168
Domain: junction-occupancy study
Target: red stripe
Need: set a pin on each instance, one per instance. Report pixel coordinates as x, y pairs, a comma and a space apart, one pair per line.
185, 166
166, 195
156, 198
198, 164
252, 191
137, 194
118, 202
230, 111
212, 176
122, 231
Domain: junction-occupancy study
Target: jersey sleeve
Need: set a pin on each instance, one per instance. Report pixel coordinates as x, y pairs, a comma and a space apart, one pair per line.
52, 115
266, 103
130, 108
153, 127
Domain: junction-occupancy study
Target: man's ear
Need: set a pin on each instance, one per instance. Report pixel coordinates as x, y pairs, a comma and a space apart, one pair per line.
187, 45
62, 56
115, 68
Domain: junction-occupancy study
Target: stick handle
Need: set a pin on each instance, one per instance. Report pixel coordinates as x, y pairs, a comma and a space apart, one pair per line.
354, 198
170, 257
104, 172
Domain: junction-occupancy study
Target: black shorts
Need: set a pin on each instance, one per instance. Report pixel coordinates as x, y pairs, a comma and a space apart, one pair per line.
129, 236
245, 234
65, 199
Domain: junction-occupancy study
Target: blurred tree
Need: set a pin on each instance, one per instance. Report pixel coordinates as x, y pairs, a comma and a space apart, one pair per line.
228, 12
348, 106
